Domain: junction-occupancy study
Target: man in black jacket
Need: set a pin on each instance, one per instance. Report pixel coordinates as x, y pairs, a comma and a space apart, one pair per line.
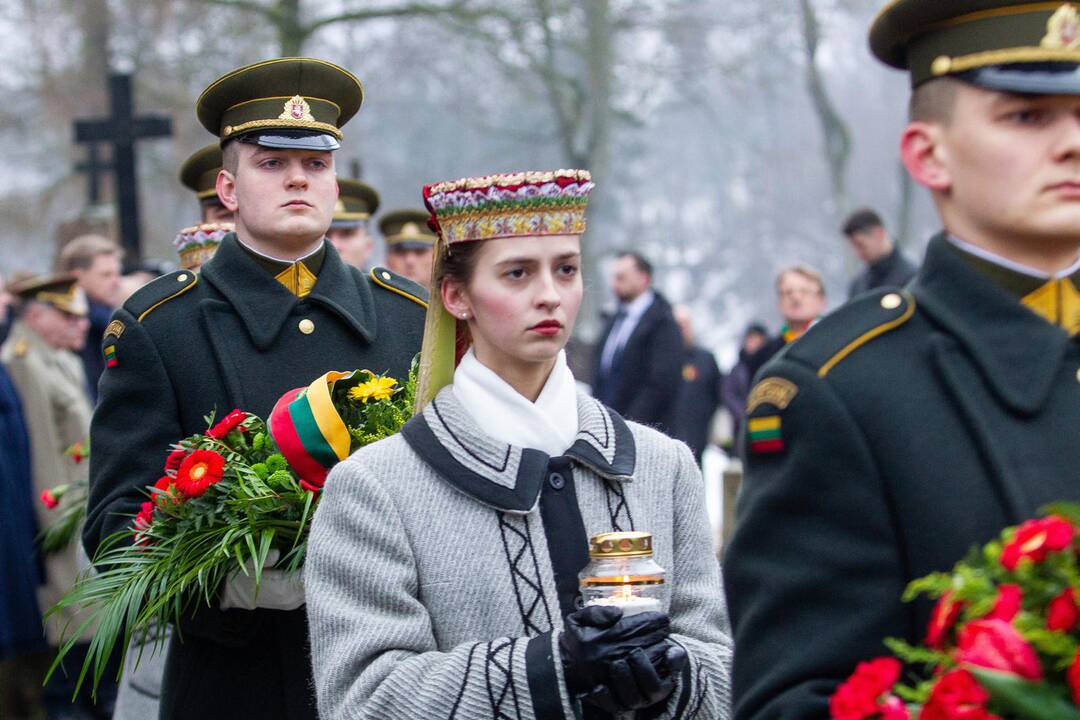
886, 266
638, 365
272, 310
911, 425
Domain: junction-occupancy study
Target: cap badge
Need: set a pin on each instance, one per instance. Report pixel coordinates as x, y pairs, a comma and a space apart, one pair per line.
1063, 29
296, 108
339, 207
410, 228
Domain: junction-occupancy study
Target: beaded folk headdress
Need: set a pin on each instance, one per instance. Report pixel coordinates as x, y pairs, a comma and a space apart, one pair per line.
524, 204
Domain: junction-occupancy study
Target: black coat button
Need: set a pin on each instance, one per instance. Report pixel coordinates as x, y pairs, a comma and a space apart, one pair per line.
557, 481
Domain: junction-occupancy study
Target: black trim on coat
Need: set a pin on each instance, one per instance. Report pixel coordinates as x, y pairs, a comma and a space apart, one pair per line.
540, 660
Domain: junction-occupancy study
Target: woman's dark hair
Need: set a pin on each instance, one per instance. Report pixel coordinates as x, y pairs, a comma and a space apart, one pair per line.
458, 263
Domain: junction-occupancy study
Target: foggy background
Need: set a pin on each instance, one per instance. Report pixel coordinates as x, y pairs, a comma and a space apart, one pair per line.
727, 139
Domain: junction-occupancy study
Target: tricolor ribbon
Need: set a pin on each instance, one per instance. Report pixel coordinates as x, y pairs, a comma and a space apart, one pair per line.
309, 432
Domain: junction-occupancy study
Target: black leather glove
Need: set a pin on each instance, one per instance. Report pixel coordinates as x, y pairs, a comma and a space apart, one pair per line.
645, 677
597, 636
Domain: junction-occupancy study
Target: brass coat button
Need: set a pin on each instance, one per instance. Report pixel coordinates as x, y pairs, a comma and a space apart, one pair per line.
181, 278
891, 301
306, 326
386, 276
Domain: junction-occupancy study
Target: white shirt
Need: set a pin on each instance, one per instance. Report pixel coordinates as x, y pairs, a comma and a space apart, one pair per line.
619, 335
1011, 264
501, 412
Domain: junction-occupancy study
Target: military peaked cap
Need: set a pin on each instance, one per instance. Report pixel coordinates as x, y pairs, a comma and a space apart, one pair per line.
356, 204
1027, 47
407, 230
286, 102
199, 172
59, 291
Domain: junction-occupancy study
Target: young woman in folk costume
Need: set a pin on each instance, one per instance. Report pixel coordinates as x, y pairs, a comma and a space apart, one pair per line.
442, 570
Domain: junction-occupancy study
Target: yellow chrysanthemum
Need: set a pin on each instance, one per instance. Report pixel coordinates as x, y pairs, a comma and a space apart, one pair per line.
380, 388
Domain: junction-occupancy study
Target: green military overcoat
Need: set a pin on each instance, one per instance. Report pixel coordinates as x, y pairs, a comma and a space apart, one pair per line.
230, 337
900, 431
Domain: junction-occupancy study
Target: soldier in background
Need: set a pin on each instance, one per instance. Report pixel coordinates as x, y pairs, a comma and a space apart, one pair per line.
410, 244
348, 231
39, 355
199, 175
198, 243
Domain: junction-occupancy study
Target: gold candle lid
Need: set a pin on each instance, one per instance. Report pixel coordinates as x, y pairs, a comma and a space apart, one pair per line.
620, 544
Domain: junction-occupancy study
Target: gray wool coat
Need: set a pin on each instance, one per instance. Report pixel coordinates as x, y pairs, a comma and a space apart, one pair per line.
441, 564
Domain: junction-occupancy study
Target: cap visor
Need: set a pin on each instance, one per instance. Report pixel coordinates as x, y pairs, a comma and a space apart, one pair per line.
1040, 79
411, 245
347, 224
297, 141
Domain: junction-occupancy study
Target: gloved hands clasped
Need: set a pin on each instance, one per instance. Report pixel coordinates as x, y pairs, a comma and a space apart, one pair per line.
618, 663
278, 589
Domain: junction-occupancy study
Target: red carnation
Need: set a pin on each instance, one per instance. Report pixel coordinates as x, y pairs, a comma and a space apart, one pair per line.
1007, 606
1035, 539
227, 424
200, 470
172, 462
1062, 613
865, 694
996, 644
49, 499
143, 520
957, 696
77, 452
1073, 678
167, 494
942, 620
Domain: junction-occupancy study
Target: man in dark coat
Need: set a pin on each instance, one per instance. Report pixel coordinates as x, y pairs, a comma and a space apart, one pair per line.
271, 311
699, 392
909, 426
886, 266
639, 358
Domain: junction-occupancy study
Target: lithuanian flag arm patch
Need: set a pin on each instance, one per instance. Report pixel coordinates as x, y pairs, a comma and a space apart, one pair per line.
110, 356
764, 435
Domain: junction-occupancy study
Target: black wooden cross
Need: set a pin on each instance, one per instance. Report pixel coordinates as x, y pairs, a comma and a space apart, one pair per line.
92, 166
122, 129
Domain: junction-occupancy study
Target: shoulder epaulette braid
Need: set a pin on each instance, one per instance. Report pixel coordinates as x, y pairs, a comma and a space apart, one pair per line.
851, 326
159, 291
399, 284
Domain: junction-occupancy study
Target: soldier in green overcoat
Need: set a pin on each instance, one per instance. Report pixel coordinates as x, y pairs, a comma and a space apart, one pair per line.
272, 310
911, 425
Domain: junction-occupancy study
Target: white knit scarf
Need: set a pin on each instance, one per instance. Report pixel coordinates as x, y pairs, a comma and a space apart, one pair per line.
549, 425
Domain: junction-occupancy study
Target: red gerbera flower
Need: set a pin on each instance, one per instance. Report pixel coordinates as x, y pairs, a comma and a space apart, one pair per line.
227, 424
198, 471
168, 494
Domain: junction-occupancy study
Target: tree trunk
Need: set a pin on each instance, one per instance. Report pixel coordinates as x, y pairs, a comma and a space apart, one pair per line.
292, 33
836, 134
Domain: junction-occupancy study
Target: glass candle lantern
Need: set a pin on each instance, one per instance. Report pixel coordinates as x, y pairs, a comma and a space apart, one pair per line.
622, 572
